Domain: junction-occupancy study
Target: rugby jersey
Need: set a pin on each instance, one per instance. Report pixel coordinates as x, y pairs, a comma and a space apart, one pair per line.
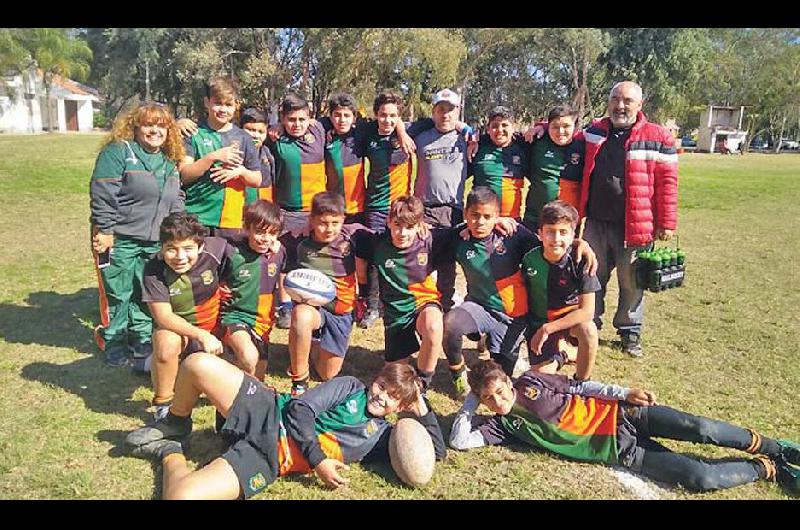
337, 260
554, 288
267, 173
502, 169
299, 168
556, 413
389, 176
193, 295
218, 205
551, 168
331, 421
253, 280
491, 268
344, 167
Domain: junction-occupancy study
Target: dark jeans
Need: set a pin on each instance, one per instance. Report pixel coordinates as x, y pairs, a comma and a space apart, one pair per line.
375, 221
445, 217
643, 455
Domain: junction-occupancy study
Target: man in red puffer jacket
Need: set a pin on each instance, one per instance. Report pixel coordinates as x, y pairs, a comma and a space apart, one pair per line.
629, 196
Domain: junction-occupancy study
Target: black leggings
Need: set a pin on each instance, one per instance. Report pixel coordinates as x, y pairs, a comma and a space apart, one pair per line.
661, 464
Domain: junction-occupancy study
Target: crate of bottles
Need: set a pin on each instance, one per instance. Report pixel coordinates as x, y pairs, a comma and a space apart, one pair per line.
660, 269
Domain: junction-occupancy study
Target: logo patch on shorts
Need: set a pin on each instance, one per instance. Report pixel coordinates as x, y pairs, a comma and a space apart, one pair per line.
257, 482
531, 393
422, 258
207, 277
272, 269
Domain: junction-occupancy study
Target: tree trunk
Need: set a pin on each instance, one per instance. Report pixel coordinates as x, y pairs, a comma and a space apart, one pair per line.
147, 79
780, 136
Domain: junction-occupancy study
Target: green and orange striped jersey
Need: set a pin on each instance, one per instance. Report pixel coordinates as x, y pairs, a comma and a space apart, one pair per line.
551, 167
550, 412
337, 260
344, 167
389, 176
267, 175
299, 168
503, 169
491, 268
219, 205
194, 295
253, 280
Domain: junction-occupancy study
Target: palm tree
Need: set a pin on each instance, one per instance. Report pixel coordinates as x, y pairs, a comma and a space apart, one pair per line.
55, 53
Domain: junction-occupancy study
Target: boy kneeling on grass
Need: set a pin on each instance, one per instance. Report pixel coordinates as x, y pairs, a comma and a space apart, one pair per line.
272, 434
560, 295
609, 424
181, 288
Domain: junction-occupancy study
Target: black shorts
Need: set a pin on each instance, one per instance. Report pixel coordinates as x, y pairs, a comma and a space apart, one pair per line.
402, 341
261, 345
550, 350
252, 428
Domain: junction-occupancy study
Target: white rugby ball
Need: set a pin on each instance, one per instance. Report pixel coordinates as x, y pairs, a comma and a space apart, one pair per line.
411, 452
309, 286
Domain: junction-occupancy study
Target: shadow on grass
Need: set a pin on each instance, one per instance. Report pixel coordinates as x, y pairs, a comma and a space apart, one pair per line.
51, 319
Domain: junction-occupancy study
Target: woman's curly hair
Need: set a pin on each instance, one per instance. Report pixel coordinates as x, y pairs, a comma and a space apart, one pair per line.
148, 114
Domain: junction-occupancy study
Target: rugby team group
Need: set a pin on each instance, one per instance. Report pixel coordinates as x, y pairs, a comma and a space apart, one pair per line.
195, 226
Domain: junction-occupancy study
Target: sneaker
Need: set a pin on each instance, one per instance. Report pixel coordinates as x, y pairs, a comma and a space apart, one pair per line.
632, 344
790, 451
284, 317
461, 384
299, 388
370, 317
116, 355
160, 411
158, 449
788, 476
171, 427
481, 347
219, 421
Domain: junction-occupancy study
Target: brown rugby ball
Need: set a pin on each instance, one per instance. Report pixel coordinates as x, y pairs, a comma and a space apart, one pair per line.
411, 452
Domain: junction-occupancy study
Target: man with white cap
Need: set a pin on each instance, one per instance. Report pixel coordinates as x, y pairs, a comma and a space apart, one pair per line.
441, 172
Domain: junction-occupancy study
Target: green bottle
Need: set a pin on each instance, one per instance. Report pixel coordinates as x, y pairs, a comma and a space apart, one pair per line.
681, 257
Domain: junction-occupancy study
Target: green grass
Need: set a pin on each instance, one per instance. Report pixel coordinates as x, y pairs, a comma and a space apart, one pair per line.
724, 345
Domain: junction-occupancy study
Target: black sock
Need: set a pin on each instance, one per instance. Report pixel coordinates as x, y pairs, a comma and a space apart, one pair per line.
426, 377
769, 447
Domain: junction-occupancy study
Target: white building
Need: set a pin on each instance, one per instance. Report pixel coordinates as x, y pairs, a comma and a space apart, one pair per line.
23, 104
720, 125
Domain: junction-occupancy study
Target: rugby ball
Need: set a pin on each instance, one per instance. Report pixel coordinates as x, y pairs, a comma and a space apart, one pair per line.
309, 286
411, 452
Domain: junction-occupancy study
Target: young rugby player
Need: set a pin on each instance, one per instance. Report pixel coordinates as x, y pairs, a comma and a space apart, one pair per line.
344, 164
338, 422
220, 162
254, 123
609, 424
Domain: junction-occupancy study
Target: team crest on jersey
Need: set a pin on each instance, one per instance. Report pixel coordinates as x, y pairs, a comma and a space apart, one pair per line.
531, 393
309, 138
422, 259
471, 254
575, 159
516, 160
499, 247
389, 264
344, 248
272, 269
207, 277
244, 273
257, 482
395, 143
352, 406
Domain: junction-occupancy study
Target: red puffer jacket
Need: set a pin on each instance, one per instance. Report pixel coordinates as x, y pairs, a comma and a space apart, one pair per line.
651, 177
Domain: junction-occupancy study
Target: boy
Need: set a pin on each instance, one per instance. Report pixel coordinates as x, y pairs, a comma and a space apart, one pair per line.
220, 163
181, 288
560, 295
344, 164
338, 422
556, 164
255, 270
501, 162
254, 123
603, 423
412, 304
335, 249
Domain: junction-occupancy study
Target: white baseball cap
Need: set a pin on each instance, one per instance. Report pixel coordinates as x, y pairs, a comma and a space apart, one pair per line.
448, 96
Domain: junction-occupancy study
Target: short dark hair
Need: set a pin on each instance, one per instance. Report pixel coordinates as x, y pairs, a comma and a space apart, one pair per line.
555, 212
293, 101
341, 100
561, 111
264, 215
501, 112
327, 203
401, 382
181, 226
388, 96
252, 115
407, 211
482, 195
483, 373
222, 87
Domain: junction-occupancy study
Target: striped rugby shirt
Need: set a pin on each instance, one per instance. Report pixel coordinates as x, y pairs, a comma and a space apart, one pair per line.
344, 167
219, 205
551, 167
299, 168
390, 169
502, 169
193, 295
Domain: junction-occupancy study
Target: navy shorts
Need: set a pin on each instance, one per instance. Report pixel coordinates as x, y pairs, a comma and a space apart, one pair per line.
253, 453
550, 350
353, 218
504, 334
376, 221
402, 340
261, 345
296, 222
334, 331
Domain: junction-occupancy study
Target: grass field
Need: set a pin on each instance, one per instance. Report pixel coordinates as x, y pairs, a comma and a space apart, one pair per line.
725, 345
